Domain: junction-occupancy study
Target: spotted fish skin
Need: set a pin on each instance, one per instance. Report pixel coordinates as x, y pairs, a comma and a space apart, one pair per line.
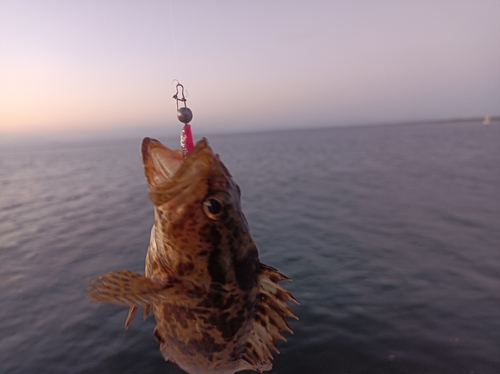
218, 309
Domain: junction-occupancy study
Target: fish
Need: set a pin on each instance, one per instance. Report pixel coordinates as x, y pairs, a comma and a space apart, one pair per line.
218, 309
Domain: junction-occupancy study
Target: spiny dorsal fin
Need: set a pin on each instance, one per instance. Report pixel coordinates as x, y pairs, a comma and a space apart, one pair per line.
270, 319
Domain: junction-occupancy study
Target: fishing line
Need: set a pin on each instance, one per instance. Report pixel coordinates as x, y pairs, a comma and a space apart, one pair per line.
173, 37
184, 114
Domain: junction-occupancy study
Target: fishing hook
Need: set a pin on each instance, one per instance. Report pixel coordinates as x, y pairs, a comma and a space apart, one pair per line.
176, 96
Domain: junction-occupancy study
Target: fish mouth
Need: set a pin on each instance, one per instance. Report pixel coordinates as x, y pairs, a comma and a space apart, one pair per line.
169, 174
160, 163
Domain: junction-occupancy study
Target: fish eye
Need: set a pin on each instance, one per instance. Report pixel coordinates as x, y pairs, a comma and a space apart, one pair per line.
212, 208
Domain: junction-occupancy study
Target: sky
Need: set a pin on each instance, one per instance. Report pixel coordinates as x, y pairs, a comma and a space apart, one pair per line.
97, 65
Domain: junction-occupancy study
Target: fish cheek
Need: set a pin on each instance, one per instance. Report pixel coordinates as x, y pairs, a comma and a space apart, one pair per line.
182, 225
247, 268
244, 254
212, 239
185, 268
216, 271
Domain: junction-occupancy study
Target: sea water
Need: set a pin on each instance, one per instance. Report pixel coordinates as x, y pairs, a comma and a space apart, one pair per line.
391, 235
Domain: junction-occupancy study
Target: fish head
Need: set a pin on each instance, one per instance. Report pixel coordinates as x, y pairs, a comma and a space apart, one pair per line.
200, 226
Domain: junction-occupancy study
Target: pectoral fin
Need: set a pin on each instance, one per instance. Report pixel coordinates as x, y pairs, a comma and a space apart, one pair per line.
125, 288
132, 289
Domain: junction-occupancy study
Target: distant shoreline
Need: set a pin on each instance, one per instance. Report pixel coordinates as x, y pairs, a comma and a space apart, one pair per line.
429, 122
104, 135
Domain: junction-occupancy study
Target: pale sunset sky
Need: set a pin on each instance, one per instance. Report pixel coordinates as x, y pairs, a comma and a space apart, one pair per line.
109, 65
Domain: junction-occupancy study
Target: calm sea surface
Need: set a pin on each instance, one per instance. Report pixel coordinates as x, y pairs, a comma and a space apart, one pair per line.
390, 233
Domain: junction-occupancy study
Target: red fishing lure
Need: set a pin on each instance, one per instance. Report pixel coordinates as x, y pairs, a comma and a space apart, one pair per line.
187, 143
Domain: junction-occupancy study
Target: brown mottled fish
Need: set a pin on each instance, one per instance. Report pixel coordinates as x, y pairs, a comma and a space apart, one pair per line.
218, 309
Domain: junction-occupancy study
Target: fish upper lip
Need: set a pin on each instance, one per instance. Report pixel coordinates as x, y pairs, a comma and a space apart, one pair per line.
160, 162
169, 174
149, 144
